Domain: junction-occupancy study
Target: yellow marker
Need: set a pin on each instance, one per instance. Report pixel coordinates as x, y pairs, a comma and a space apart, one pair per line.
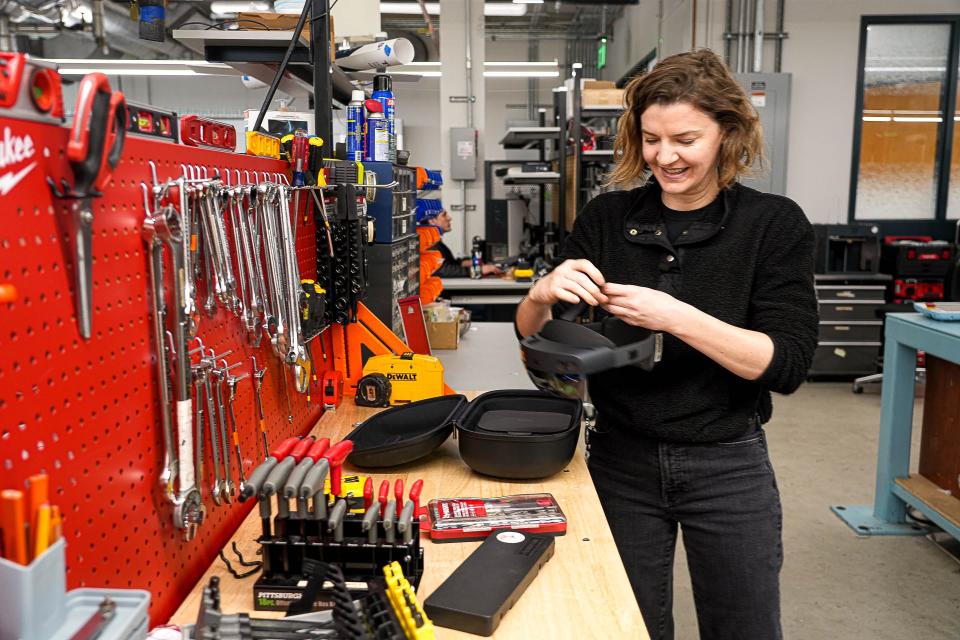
41, 533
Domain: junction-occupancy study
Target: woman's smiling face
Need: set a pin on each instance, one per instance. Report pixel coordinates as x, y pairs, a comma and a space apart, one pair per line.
681, 145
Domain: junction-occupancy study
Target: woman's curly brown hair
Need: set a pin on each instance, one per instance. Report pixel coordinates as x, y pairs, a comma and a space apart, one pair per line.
701, 79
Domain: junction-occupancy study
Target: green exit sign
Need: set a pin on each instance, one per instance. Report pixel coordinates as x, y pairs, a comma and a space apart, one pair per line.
602, 53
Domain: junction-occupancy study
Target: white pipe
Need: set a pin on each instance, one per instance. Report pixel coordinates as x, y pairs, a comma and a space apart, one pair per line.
758, 37
741, 34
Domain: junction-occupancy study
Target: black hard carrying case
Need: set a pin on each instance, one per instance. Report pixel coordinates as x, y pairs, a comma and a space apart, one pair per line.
514, 434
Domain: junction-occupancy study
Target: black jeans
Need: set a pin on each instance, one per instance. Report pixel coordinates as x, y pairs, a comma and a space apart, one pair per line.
724, 498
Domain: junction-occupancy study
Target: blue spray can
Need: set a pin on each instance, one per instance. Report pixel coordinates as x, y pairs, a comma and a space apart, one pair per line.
383, 91
378, 134
356, 115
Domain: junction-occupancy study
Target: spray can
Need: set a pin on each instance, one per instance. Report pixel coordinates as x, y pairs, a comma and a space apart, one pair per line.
383, 91
377, 148
476, 259
355, 120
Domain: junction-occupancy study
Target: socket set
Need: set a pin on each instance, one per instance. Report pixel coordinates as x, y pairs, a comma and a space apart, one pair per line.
344, 274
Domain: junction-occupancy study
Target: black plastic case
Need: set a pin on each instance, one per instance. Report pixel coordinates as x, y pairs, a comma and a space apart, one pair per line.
515, 434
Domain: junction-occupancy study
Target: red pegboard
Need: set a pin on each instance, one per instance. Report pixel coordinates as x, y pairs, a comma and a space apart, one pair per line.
87, 412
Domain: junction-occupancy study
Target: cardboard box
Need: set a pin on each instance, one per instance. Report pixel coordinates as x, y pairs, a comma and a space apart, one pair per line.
444, 335
590, 85
602, 98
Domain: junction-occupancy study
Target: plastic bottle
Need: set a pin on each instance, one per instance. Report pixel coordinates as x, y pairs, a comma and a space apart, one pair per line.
377, 147
356, 117
476, 259
383, 91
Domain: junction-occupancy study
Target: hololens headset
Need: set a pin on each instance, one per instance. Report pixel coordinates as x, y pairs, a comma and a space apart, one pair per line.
563, 353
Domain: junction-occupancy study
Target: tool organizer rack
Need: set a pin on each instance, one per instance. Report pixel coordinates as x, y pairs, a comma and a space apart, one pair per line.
87, 412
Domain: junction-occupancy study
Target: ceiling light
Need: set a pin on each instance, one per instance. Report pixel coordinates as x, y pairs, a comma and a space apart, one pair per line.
433, 8
527, 1
238, 6
521, 74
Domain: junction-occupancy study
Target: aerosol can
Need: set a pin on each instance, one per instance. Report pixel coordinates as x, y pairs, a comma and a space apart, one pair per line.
378, 134
383, 91
356, 117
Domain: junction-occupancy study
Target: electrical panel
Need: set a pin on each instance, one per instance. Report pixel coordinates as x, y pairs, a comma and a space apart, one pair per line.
463, 153
770, 95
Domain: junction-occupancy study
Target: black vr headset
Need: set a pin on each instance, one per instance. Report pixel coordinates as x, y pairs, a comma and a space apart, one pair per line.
563, 353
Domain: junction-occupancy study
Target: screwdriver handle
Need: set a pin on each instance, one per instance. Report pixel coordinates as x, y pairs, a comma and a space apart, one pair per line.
252, 486
301, 449
368, 492
384, 495
318, 449
398, 492
283, 449
415, 490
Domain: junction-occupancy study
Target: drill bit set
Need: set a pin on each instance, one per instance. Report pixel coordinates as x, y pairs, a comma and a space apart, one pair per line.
327, 523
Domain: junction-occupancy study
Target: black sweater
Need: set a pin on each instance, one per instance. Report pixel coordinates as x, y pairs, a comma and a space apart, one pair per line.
451, 267
748, 263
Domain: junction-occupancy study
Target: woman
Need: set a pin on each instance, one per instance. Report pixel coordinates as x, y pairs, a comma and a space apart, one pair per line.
726, 273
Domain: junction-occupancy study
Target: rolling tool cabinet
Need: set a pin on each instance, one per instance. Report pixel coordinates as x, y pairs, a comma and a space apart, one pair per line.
850, 330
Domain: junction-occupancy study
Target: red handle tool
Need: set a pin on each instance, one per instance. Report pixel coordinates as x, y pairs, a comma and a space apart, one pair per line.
336, 455
368, 492
415, 490
283, 449
301, 448
398, 493
318, 449
384, 496
97, 135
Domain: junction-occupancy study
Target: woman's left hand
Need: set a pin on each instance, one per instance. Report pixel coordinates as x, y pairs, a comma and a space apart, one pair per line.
642, 307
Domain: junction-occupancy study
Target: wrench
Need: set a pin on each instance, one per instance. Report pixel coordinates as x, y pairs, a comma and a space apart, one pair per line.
232, 386
214, 446
155, 232
188, 509
227, 488
198, 373
257, 384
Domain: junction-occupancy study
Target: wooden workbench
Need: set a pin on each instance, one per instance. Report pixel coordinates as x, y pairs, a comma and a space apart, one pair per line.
581, 592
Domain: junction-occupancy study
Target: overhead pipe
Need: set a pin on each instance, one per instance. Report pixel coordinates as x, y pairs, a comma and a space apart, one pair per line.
778, 45
6, 38
758, 37
741, 34
727, 35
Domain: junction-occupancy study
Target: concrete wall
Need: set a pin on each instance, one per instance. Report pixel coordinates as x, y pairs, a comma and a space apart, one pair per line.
820, 53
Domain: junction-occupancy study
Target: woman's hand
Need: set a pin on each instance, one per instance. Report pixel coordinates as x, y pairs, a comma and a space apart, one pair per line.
643, 307
572, 281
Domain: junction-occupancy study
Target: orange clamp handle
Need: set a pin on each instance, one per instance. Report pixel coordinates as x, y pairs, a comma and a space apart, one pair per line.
398, 493
336, 455
283, 449
384, 496
415, 490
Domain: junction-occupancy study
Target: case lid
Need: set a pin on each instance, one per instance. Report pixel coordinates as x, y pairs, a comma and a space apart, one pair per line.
519, 421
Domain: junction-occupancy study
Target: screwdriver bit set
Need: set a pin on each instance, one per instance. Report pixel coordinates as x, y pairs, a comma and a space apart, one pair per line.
327, 524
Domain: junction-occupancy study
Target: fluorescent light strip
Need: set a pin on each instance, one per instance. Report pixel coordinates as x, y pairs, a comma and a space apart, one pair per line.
914, 119
79, 71
518, 63
521, 74
903, 69
876, 118
433, 8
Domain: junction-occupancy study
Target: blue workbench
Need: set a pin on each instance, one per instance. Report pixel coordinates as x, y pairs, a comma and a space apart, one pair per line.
906, 333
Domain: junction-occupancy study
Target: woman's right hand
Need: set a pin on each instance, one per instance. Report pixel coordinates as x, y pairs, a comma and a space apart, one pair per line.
572, 281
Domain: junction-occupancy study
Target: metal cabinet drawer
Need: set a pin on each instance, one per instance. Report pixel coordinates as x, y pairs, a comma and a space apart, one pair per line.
833, 310
858, 331
835, 358
843, 293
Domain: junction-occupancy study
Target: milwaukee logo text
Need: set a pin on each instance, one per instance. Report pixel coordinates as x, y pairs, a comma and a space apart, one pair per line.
14, 149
